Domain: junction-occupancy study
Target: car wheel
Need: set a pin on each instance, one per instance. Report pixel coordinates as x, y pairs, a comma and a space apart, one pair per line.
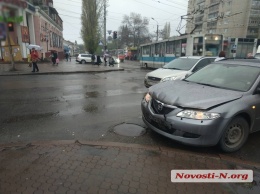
235, 135
83, 62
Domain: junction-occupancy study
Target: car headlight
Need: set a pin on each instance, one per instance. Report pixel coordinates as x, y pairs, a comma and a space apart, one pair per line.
147, 97
199, 115
168, 79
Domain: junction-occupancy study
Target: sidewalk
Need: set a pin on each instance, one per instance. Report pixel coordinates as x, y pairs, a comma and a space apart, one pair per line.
64, 67
112, 168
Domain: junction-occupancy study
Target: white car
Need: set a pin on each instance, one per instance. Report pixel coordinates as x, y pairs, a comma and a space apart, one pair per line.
84, 58
257, 55
177, 69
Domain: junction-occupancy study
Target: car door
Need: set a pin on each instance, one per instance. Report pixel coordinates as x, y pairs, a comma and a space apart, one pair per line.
202, 63
88, 58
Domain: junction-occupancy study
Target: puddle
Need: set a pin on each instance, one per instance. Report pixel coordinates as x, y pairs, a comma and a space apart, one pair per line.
114, 105
94, 94
114, 92
130, 130
71, 111
91, 108
74, 97
29, 117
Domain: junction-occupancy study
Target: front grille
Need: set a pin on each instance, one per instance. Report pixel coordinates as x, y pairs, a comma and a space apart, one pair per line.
156, 79
160, 108
161, 125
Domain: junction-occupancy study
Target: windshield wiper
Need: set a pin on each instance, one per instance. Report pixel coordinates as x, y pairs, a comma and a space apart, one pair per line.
209, 85
172, 68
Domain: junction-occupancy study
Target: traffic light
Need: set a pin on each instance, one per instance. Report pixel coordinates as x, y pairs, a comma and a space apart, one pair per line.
115, 35
10, 26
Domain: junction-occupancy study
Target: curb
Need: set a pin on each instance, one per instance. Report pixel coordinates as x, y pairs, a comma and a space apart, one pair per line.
228, 159
61, 72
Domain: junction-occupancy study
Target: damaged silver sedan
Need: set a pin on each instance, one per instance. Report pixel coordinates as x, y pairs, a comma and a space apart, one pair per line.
220, 104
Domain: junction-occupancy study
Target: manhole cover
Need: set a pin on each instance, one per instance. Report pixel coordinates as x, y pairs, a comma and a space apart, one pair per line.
131, 130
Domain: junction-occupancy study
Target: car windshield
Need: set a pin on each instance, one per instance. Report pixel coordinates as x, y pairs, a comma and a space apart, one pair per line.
227, 76
181, 64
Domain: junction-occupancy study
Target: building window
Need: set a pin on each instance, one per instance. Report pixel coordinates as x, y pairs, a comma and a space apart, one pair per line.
226, 21
199, 1
199, 19
213, 15
214, 1
213, 8
212, 24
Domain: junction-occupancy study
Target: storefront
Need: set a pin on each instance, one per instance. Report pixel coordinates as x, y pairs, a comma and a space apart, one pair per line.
28, 24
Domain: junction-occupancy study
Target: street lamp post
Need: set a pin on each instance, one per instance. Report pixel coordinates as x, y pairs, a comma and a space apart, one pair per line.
157, 29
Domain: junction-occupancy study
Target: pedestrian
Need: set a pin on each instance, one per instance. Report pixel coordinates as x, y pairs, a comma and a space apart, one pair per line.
105, 59
221, 56
57, 61
250, 56
53, 59
67, 56
111, 61
34, 58
55, 54
93, 58
98, 60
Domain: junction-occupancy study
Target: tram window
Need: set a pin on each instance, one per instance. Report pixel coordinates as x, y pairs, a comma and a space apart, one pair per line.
169, 47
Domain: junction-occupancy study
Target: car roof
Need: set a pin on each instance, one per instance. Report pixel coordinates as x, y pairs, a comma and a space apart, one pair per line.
197, 57
246, 62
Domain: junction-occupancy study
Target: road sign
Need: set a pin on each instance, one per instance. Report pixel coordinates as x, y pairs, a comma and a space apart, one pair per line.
234, 47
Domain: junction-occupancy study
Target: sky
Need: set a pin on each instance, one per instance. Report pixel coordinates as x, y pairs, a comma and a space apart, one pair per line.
161, 10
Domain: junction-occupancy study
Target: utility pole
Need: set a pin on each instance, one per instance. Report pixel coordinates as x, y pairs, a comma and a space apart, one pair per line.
157, 31
105, 23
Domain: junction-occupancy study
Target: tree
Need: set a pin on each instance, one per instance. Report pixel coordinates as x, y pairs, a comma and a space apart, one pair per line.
166, 32
134, 30
90, 31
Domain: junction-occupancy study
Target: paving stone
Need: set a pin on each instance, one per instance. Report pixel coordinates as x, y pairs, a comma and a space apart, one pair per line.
75, 169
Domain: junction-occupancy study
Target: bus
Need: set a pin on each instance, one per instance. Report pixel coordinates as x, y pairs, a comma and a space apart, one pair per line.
157, 54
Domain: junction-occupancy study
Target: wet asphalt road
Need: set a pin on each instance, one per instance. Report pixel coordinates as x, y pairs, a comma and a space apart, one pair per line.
85, 107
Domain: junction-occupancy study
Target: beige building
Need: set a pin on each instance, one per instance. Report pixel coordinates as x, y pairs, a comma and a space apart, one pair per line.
232, 18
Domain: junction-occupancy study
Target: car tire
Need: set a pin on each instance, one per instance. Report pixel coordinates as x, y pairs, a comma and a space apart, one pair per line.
83, 62
235, 135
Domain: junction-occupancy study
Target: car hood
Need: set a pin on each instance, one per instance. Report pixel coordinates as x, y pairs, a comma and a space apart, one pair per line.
191, 95
162, 73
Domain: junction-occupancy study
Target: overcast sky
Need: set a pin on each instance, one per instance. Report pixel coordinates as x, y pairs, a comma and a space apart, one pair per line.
161, 10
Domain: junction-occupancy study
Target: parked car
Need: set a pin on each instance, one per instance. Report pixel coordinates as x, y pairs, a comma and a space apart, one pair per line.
219, 104
257, 56
84, 58
177, 69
